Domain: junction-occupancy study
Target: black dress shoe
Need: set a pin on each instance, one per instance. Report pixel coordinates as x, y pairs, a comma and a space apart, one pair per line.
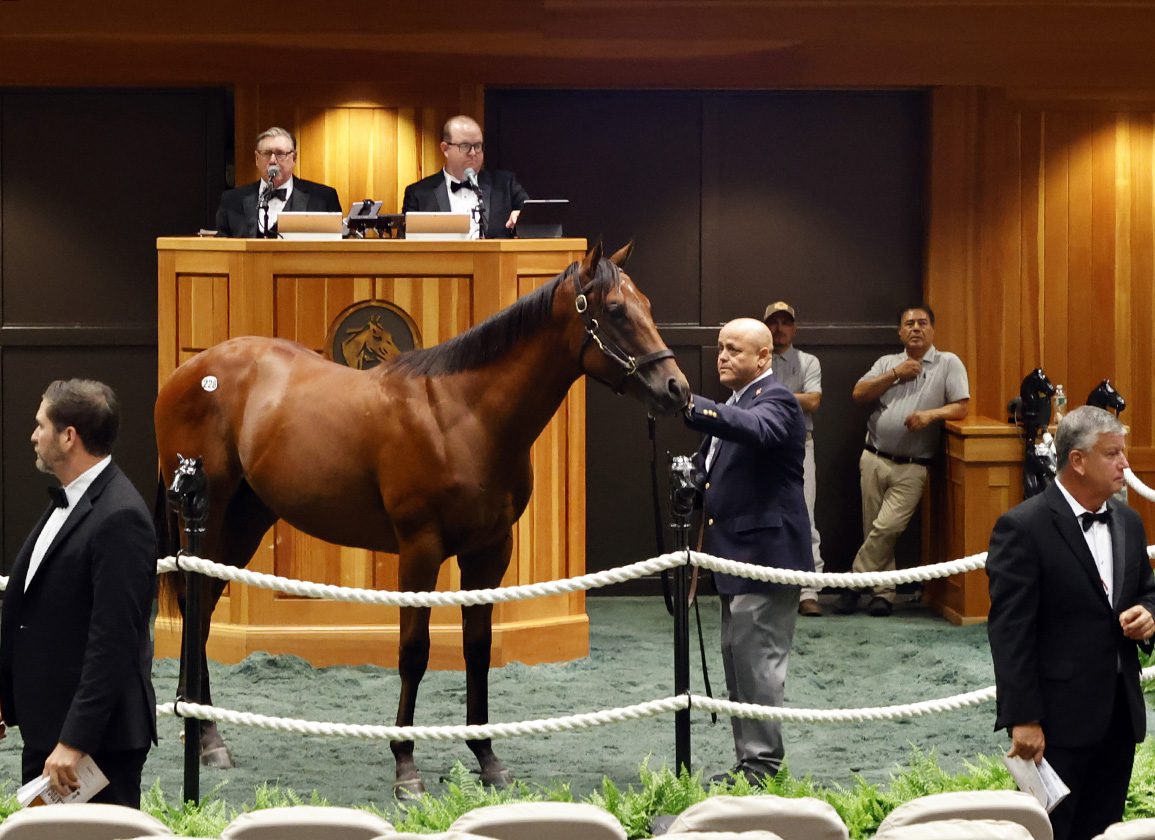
879, 607
846, 603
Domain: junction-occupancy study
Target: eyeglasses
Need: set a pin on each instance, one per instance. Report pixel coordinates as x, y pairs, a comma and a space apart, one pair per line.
270, 153
466, 148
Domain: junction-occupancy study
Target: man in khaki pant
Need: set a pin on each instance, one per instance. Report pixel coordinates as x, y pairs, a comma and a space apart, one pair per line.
912, 393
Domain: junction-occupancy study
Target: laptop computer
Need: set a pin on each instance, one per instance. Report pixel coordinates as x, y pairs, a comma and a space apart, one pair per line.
309, 225
419, 225
542, 218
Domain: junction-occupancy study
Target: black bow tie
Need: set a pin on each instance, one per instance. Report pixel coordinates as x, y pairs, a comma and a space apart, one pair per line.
280, 193
58, 496
1089, 519
457, 186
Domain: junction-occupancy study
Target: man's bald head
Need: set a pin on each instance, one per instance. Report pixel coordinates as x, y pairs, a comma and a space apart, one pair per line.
744, 352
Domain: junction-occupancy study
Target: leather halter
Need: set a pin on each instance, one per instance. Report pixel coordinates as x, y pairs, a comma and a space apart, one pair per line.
630, 365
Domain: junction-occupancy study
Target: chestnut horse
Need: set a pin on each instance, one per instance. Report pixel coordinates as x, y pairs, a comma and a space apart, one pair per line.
426, 455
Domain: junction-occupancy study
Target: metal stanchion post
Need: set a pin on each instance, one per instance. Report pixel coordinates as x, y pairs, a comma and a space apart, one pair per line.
684, 483
189, 494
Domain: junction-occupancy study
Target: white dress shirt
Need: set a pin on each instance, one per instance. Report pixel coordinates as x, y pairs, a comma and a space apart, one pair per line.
465, 200
1098, 538
276, 205
75, 489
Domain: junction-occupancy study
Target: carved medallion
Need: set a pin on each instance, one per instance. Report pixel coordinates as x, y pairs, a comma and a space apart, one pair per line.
367, 333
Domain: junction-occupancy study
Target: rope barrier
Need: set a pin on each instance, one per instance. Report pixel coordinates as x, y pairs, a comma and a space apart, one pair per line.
588, 720
1136, 484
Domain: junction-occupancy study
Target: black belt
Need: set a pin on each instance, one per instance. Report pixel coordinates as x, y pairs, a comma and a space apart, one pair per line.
899, 459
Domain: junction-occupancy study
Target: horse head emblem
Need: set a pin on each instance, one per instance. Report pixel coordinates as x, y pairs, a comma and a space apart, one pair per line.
1106, 397
369, 345
189, 491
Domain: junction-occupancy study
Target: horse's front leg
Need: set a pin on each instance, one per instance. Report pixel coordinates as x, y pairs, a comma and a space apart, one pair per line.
482, 570
417, 573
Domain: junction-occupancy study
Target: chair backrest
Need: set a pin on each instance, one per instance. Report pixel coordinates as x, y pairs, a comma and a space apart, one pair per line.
535, 820
957, 830
440, 835
306, 822
801, 818
81, 821
1009, 805
1130, 830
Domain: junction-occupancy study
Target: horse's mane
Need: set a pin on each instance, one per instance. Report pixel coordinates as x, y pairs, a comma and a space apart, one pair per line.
490, 339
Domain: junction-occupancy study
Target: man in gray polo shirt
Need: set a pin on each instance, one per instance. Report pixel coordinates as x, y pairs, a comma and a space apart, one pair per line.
912, 393
802, 374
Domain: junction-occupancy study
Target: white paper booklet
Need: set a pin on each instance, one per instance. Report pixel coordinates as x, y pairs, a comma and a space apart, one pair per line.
39, 791
1039, 780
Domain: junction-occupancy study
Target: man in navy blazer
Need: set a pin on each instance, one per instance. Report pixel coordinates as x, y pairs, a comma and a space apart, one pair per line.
754, 511
1072, 595
463, 146
243, 211
75, 652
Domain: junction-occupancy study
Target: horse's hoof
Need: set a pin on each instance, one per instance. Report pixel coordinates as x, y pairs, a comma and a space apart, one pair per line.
408, 790
500, 778
218, 757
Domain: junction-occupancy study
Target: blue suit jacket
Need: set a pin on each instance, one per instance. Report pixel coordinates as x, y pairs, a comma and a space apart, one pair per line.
753, 506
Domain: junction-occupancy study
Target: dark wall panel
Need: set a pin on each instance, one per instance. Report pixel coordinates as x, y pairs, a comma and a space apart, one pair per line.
736, 200
88, 180
630, 165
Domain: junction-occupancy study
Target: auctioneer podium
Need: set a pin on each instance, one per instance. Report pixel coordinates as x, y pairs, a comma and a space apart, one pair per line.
214, 289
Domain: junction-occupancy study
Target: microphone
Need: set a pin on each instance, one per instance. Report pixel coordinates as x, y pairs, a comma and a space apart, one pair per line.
471, 177
271, 173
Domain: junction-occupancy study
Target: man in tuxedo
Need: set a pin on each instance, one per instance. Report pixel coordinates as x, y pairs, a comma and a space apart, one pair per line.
449, 190
754, 511
251, 211
75, 653
1072, 594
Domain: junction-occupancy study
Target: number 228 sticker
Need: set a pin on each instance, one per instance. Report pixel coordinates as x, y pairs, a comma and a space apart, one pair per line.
209, 383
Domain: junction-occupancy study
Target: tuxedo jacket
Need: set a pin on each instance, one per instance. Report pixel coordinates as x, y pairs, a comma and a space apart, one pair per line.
237, 214
500, 191
753, 506
1055, 637
75, 653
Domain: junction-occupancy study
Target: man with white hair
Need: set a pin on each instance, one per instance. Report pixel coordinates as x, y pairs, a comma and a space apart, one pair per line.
251, 211
1072, 596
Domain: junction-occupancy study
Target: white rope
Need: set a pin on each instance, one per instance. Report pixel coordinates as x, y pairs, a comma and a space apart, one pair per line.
587, 720
1136, 484
425, 599
838, 579
568, 723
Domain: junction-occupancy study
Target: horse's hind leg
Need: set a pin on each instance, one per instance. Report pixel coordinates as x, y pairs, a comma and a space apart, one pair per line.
244, 522
482, 570
417, 573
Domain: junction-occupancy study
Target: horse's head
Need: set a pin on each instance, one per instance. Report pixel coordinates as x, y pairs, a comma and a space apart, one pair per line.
1105, 396
619, 342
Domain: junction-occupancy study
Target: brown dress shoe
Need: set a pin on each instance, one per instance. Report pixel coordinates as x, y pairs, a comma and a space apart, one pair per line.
809, 607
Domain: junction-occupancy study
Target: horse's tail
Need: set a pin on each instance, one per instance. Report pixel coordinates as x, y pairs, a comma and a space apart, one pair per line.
170, 586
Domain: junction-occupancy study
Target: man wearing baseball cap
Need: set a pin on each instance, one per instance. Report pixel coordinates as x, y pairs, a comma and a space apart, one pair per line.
802, 374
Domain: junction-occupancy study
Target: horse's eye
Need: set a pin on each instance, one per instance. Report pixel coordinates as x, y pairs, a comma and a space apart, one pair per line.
616, 311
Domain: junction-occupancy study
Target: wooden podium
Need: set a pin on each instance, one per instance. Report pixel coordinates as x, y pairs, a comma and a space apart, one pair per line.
214, 289
984, 468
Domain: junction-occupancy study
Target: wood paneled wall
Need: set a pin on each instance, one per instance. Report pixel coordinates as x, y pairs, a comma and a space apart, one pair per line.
1040, 247
365, 141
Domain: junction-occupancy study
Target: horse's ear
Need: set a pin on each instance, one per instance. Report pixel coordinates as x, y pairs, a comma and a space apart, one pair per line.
619, 259
592, 258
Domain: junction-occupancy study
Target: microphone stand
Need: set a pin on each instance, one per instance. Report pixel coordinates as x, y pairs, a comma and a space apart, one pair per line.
263, 207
